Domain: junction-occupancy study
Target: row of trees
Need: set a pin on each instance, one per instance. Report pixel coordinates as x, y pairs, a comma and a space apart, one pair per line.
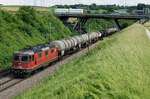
92, 6
109, 8
141, 6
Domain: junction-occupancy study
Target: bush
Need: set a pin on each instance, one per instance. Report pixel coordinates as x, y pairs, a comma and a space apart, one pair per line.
27, 14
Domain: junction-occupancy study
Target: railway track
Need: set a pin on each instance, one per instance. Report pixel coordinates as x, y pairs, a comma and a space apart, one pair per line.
9, 83
6, 79
4, 72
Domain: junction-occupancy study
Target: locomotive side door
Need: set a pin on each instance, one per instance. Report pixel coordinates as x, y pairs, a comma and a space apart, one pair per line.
33, 61
39, 58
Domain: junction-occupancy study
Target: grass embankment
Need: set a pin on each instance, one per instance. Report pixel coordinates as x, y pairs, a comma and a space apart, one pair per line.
117, 68
147, 25
26, 27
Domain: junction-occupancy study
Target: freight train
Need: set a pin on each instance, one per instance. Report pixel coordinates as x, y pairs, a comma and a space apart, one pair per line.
33, 58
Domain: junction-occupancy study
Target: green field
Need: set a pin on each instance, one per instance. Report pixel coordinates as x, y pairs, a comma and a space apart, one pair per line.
117, 68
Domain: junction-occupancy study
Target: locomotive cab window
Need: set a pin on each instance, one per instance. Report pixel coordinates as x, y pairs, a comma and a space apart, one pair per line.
25, 58
39, 55
46, 53
32, 57
52, 51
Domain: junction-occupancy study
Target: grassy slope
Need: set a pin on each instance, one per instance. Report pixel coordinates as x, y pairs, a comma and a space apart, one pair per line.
117, 68
15, 33
147, 25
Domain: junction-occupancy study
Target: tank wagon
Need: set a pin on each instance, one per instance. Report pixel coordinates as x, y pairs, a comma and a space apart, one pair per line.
32, 58
108, 32
68, 11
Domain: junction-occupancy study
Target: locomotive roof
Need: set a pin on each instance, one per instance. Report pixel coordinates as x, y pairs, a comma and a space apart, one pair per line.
23, 52
30, 50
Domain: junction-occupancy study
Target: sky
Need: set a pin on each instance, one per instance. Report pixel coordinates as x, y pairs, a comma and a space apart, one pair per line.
54, 2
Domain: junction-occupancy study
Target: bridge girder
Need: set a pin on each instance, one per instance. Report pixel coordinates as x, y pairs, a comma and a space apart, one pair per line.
82, 19
105, 16
79, 26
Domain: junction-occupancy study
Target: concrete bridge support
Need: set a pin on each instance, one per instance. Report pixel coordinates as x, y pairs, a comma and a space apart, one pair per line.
142, 21
117, 24
79, 26
64, 19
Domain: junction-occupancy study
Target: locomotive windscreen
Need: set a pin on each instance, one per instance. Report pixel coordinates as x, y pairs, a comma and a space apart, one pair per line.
25, 58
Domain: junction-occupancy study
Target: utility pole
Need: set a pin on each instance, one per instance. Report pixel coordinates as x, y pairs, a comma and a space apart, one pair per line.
41, 1
80, 28
124, 3
89, 31
50, 26
89, 38
34, 3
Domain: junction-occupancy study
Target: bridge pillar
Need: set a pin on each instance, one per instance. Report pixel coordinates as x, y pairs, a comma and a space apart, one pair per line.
117, 24
142, 21
64, 19
79, 26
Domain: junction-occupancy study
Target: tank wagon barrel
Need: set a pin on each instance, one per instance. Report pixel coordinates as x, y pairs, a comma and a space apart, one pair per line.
75, 42
108, 32
111, 30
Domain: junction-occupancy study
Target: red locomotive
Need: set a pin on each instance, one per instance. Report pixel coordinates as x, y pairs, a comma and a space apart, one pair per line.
33, 58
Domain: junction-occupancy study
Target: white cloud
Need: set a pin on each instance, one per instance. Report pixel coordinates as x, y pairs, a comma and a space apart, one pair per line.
53, 2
